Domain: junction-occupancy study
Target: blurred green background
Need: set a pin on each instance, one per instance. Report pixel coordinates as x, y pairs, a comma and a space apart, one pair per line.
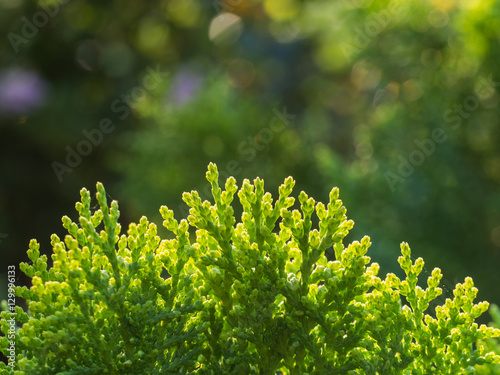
395, 102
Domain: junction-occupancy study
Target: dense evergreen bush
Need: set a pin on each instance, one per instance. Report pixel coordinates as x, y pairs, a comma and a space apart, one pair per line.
257, 296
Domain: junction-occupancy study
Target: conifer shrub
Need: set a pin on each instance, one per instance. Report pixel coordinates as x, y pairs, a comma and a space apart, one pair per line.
254, 297
492, 344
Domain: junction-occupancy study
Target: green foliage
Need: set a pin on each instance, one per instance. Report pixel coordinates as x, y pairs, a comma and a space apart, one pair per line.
366, 80
258, 296
492, 344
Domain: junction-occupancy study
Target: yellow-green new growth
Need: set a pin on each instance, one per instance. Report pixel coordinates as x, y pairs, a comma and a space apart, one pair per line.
249, 296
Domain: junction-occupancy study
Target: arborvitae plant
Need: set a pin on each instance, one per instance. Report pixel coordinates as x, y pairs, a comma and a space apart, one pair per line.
492, 344
256, 297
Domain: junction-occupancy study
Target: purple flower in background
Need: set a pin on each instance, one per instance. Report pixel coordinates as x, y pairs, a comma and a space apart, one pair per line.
185, 86
21, 91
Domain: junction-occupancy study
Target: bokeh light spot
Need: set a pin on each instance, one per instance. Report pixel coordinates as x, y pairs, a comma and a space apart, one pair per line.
471, 4
364, 150
365, 76
466, 66
184, 13
80, 16
331, 56
153, 35
186, 85
281, 10
495, 236
240, 73
88, 55
478, 137
491, 102
492, 168
10, 4
438, 17
118, 59
225, 29
444, 4
388, 94
284, 33
21, 91
411, 90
